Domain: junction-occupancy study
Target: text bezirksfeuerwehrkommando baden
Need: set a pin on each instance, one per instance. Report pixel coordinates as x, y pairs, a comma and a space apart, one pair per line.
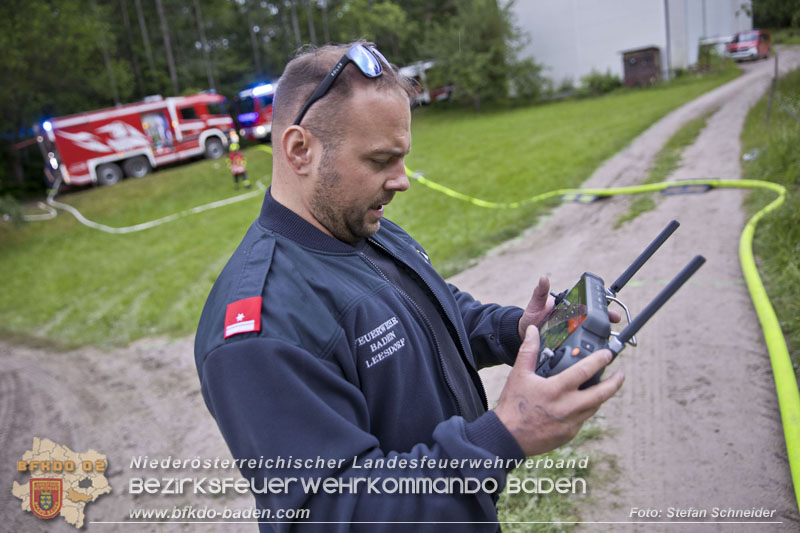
429, 479
353, 485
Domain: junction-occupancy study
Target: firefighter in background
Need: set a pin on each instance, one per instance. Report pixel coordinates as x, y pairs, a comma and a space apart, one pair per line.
238, 165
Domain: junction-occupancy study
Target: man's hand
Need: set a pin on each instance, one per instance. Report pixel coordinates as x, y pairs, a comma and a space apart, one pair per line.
541, 304
542, 414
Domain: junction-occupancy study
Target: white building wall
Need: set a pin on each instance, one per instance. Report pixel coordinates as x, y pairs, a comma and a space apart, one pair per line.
692, 20
573, 37
694, 31
678, 12
726, 17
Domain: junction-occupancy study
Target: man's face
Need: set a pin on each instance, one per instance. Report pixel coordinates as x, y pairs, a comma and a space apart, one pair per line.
355, 180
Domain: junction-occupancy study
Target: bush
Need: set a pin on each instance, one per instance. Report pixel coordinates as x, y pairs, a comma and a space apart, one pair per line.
21, 172
10, 210
785, 35
526, 81
596, 83
710, 60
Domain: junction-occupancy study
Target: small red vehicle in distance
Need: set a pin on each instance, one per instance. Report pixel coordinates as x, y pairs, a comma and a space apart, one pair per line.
105, 145
753, 44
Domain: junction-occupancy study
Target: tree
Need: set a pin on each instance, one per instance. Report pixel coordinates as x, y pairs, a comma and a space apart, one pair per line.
476, 50
384, 23
173, 75
470, 51
776, 13
312, 32
326, 34
146, 40
47, 71
112, 81
295, 24
204, 45
137, 71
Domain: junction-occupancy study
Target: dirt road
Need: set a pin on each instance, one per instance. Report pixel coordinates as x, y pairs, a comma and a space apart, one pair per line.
696, 423
143, 400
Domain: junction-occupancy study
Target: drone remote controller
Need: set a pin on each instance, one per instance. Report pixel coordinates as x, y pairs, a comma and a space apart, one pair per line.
579, 325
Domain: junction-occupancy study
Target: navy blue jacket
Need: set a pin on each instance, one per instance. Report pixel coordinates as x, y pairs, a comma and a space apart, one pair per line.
344, 369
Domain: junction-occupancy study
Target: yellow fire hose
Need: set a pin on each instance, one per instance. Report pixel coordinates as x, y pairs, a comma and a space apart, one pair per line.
782, 371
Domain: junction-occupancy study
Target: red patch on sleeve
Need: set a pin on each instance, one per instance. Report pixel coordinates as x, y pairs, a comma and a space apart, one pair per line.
243, 316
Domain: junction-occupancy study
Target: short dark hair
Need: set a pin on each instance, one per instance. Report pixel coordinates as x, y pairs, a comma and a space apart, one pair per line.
302, 75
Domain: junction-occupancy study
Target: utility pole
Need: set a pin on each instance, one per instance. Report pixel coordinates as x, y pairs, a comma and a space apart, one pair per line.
669, 43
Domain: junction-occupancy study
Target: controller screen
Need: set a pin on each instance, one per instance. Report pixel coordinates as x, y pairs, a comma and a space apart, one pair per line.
565, 317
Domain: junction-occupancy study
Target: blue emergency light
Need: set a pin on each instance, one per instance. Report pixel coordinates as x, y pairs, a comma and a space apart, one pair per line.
262, 89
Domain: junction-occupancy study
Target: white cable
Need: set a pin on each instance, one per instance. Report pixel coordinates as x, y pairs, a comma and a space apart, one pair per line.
153, 223
51, 213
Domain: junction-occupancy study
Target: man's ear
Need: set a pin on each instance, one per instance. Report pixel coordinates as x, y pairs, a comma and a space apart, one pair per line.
299, 146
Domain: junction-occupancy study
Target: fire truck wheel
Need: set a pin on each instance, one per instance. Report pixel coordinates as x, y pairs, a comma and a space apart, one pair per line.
136, 167
214, 148
109, 174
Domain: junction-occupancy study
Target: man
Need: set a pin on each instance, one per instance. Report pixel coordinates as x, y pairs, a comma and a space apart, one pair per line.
330, 348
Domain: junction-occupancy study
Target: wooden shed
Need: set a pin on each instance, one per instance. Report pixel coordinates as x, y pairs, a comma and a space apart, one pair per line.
641, 66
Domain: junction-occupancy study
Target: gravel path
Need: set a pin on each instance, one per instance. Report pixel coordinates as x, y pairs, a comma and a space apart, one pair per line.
696, 423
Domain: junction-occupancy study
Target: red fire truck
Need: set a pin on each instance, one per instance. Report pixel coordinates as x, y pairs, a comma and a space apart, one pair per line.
253, 112
103, 146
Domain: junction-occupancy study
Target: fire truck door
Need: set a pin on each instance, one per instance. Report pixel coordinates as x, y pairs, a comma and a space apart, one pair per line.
190, 124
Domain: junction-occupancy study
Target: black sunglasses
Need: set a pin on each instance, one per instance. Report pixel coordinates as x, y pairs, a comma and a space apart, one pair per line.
366, 58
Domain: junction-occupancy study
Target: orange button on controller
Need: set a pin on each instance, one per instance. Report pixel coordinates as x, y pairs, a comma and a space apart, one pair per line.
576, 352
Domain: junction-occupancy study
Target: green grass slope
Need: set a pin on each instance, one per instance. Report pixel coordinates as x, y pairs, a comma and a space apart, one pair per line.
66, 284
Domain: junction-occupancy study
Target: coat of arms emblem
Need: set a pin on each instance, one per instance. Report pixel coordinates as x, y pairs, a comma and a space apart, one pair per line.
46, 496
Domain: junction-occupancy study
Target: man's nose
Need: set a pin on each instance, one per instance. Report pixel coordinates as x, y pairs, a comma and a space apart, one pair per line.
399, 179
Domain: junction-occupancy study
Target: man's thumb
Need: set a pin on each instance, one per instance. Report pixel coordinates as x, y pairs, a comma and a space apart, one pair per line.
529, 351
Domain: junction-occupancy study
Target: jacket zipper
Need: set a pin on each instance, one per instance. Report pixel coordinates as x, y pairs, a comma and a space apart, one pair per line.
429, 326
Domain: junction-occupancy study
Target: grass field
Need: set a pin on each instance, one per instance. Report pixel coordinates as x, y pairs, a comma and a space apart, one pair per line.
785, 35
66, 284
73, 285
777, 238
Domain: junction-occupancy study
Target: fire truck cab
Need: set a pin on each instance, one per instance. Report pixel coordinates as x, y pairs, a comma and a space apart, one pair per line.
253, 112
130, 140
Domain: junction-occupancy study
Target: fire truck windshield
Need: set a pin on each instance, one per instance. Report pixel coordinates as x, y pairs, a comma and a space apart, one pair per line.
253, 112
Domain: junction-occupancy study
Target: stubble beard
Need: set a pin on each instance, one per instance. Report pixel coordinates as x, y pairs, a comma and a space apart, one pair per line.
346, 223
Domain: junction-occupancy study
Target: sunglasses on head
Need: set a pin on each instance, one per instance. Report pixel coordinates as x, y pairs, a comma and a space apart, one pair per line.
366, 58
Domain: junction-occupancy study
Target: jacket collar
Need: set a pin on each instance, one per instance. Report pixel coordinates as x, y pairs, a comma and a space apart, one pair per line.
280, 219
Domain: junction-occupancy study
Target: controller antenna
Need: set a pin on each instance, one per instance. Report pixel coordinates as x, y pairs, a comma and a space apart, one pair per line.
643, 257
617, 343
